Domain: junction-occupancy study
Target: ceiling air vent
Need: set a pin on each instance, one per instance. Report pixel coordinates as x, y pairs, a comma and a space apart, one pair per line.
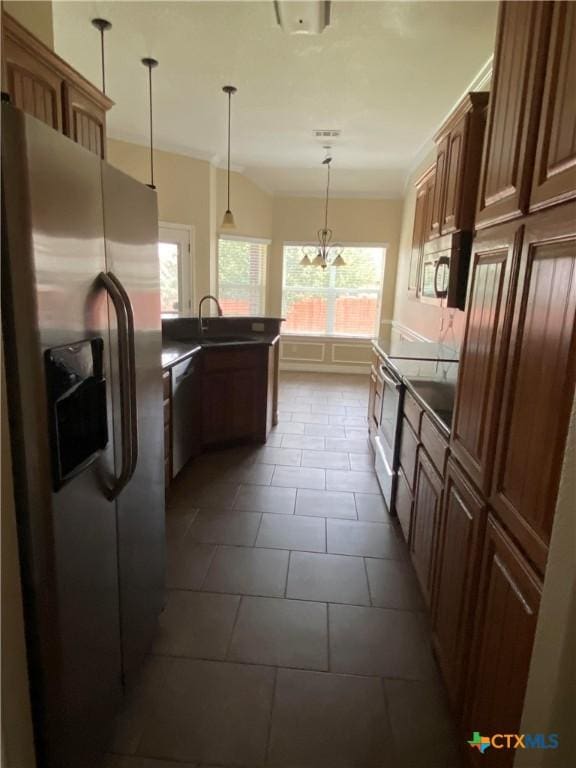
327, 133
303, 17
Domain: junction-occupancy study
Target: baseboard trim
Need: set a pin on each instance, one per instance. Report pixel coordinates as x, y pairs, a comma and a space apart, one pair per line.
363, 370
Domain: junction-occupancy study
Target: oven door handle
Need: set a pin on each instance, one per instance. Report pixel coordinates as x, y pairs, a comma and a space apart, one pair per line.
391, 383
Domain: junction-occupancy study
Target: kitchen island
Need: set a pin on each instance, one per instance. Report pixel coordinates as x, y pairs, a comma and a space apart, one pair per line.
220, 384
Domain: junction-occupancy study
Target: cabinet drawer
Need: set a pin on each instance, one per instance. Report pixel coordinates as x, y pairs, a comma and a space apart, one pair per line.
166, 384
408, 450
404, 505
231, 359
435, 443
412, 412
166, 412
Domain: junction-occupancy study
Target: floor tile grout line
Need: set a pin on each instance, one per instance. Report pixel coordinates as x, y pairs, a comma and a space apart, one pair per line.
368, 583
287, 574
234, 623
212, 558
270, 720
328, 646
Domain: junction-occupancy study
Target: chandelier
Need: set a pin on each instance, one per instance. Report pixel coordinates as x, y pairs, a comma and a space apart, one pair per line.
326, 253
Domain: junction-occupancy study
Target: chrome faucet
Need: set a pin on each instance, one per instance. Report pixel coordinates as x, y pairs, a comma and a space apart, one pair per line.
203, 324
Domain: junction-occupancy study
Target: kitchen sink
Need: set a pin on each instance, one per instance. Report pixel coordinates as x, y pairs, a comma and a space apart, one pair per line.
438, 395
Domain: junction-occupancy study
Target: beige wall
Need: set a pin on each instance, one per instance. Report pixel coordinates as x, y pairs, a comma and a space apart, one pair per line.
184, 192
35, 16
550, 704
424, 319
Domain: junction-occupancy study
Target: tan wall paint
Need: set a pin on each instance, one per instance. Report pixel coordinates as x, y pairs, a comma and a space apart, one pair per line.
424, 319
251, 205
550, 703
35, 16
184, 192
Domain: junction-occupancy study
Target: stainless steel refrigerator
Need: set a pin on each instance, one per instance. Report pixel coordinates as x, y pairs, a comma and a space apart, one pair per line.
82, 336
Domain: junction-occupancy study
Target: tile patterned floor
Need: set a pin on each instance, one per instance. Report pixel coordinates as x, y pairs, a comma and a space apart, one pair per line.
294, 634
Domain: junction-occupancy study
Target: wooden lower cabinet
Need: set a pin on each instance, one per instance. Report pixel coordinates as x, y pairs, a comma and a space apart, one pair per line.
505, 612
235, 394
425, 519
461, 527
403, 505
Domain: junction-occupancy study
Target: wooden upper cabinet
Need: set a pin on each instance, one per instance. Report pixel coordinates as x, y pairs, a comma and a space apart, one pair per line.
33, 86
554, 178
84, 121
425, 518
462, 523
482, 355
437, 199
539, 387
512, 124
42, 84
506, 610
424, 190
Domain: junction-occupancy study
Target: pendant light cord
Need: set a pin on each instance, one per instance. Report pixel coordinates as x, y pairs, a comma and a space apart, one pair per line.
151, 127
229, 120
327, 192
102, 57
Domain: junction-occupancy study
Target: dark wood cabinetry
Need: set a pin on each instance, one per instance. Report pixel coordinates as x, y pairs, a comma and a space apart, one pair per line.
422, 215
235, 389
461, 528
539, 386
554, 179
425, 518
508, 159
505, 613
445, 207
480, 371
42, 84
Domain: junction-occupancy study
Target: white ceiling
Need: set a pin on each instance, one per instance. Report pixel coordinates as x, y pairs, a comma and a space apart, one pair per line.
384, 73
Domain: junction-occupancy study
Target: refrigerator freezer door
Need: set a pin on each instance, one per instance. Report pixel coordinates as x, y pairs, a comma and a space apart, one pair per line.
131, 231
53, 249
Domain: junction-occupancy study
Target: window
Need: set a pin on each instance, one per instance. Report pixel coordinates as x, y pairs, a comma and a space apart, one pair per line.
242, 276
337, 301
175, 268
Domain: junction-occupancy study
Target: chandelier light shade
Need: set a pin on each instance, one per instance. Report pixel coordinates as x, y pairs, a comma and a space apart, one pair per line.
102, 25
326, 253
228, 220
150, 64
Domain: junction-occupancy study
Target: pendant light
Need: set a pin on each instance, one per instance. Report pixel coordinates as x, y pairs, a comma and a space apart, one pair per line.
150, 64
326, 253
228, 220
103, 25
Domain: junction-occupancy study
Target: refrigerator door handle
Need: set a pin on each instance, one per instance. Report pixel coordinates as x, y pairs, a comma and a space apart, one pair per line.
132, 371
124, 371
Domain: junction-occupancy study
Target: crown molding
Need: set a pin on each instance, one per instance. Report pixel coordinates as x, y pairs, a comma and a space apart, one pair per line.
480, 82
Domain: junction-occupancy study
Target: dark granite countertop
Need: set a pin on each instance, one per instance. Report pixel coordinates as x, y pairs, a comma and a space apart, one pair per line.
175, 351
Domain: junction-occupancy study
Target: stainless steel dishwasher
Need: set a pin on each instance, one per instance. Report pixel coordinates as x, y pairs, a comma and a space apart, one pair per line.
185, 412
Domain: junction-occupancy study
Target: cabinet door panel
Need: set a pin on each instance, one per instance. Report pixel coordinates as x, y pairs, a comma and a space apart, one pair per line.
85, 122
506, 612
459, 554
425, 516
247, 400
437, 198
540, 382
555, 169
216, 410
418, 237
33, 87
454, 176
482, 356
511, 129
